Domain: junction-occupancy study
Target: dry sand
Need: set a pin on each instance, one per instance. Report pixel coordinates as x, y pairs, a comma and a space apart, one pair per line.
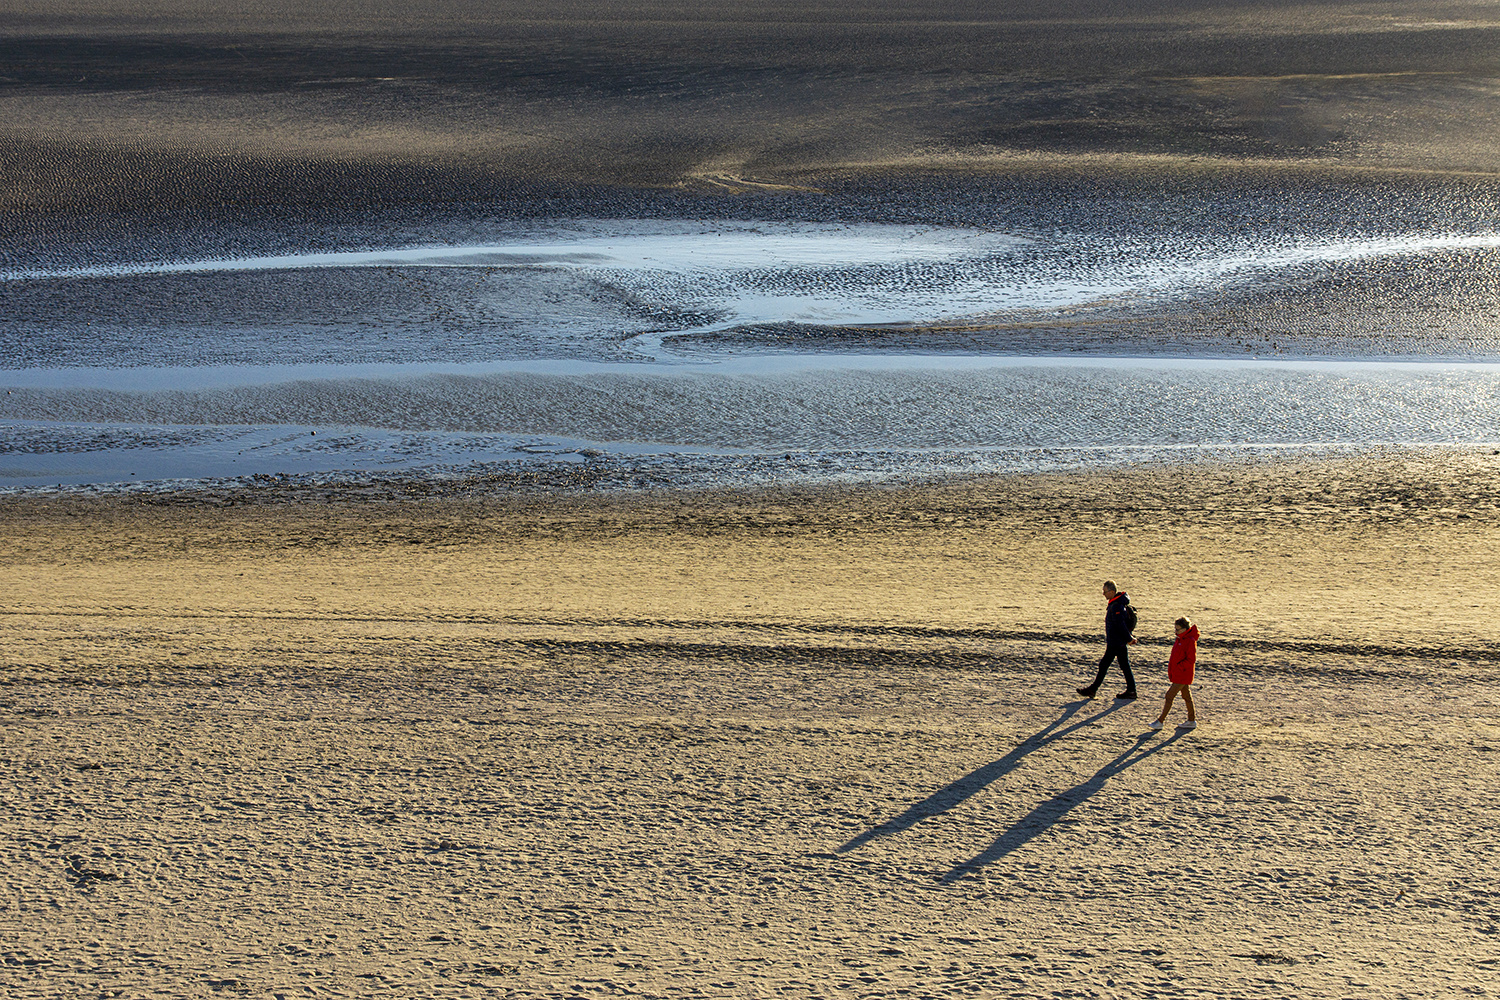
816, 743
316, 742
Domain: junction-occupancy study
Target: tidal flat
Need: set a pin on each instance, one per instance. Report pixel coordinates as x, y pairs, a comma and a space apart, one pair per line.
572, 500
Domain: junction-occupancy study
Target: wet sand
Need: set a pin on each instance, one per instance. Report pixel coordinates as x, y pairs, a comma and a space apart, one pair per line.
512, 737
147, 132
790, 743
216, 109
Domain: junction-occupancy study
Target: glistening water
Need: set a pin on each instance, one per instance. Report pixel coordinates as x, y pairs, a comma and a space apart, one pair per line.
734, 352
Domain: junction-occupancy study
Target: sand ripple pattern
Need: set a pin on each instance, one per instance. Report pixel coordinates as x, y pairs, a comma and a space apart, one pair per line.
544, 817
313, 743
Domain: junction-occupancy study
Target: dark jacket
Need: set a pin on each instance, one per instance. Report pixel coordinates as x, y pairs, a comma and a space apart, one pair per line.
1116, 629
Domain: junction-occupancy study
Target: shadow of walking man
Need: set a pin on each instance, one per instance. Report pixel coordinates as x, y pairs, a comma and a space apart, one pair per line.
1045, 815
944, 799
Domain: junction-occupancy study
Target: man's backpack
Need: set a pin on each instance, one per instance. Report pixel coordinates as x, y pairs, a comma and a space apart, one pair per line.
1130, 619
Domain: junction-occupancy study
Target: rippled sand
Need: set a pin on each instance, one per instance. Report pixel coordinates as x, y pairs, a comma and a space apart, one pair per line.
125, 103
1187, 183
796, 743
533, 730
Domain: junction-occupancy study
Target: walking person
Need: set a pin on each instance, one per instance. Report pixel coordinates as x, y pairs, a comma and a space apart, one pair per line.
1119, 636
1180, 674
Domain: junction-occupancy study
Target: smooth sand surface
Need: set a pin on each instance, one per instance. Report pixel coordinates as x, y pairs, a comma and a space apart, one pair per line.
216, 107
816, 743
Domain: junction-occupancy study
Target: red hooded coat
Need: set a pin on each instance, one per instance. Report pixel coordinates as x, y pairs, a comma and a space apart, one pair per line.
1184, 657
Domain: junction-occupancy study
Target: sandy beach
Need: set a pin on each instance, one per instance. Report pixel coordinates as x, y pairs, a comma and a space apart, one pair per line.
778, 743
440, 631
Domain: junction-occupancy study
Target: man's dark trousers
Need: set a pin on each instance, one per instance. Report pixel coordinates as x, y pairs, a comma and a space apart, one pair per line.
1115, 650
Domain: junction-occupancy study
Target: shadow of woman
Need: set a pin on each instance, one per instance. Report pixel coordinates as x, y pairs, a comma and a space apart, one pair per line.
1045, 815
946, 798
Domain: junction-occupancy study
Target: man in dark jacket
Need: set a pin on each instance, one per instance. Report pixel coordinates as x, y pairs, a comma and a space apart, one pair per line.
1118, 639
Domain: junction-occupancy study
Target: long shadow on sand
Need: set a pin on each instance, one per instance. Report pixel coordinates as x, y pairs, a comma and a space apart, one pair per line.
1048, 813
944, 799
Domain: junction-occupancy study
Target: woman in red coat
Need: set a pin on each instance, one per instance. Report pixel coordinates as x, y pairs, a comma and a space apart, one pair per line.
1180, 673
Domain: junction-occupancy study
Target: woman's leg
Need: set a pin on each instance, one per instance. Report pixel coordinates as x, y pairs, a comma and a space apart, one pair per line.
1167, 706
1187, 699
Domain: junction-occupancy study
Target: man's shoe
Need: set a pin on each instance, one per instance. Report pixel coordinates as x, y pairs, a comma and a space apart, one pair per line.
1126, 695
1085, 692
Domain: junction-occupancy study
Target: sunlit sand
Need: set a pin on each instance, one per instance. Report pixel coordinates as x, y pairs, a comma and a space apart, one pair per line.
546, 501
744, 745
